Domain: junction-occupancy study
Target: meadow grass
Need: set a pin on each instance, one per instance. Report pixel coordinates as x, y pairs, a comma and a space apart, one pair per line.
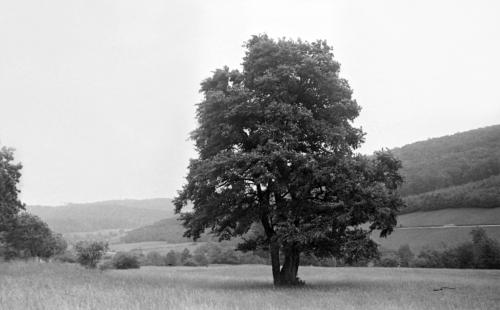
68, 286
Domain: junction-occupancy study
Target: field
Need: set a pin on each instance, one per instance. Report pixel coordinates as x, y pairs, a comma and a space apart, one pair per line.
68, 286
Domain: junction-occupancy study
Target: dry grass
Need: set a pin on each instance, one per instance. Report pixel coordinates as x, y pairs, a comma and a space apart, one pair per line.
65, 286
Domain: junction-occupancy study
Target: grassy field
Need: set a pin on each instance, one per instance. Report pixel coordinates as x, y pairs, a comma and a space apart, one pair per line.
67, 286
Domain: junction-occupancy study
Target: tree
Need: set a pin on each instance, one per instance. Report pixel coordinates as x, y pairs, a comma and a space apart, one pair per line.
486, 251
125, 260
185, 255
406, 256
171, 258
10, 205
276, 146
31, 237
90, 252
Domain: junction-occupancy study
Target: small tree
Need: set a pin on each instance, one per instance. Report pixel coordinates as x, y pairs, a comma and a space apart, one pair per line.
486, 251
185, 256
406, 256
276, 146
171, 258
200, 259
124, 260
155, 259
90, 252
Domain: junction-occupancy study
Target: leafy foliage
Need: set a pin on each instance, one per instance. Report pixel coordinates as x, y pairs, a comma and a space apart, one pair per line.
482, 253
90, 252
31, 237
123, 260
10, 205
276, 146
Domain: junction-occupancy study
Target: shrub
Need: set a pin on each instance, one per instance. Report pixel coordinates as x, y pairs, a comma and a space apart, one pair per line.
66, 257
405, 256
185, 256
171, 258
486, 251
154, 259
105, 265
124, 260
429, 258
200, 259
90, 252
389, 261
190, 263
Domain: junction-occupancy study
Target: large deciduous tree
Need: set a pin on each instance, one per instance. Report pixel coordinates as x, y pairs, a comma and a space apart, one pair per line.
276, 147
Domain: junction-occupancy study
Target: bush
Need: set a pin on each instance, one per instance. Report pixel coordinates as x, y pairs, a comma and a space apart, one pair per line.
482, 253
66, 257
105, 265
124, 260
405, 256
200, 259
190, 263
154, 259
90, 252
185, 256
486, 251
171, 258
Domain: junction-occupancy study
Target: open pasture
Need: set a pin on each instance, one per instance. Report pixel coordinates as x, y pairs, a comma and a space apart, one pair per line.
68, 286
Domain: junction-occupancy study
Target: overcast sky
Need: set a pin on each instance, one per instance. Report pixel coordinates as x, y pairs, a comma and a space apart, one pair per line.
98, 96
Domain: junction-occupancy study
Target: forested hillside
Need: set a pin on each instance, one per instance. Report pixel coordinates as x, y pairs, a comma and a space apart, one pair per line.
95, 216
169, 230
456, 171
479, 194
450, 160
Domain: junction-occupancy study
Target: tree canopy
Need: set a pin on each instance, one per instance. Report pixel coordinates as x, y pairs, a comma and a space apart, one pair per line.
31, 237
276, 148
10, 205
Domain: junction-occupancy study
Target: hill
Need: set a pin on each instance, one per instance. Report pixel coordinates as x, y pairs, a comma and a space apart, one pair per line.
115, 214
450, 160
479, 194
169, 230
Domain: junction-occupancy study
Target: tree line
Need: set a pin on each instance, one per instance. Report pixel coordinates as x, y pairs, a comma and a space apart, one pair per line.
482, 252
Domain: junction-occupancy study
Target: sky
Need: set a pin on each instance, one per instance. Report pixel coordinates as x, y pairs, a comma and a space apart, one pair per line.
98, 97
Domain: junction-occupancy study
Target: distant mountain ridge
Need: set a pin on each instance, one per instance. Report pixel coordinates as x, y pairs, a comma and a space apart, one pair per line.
112, 214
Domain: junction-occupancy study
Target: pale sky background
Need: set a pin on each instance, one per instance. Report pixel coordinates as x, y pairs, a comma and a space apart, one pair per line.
98, 96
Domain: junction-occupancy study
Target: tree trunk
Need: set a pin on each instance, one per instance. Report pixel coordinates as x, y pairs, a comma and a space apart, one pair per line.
275, 262
288, 273
287, 276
